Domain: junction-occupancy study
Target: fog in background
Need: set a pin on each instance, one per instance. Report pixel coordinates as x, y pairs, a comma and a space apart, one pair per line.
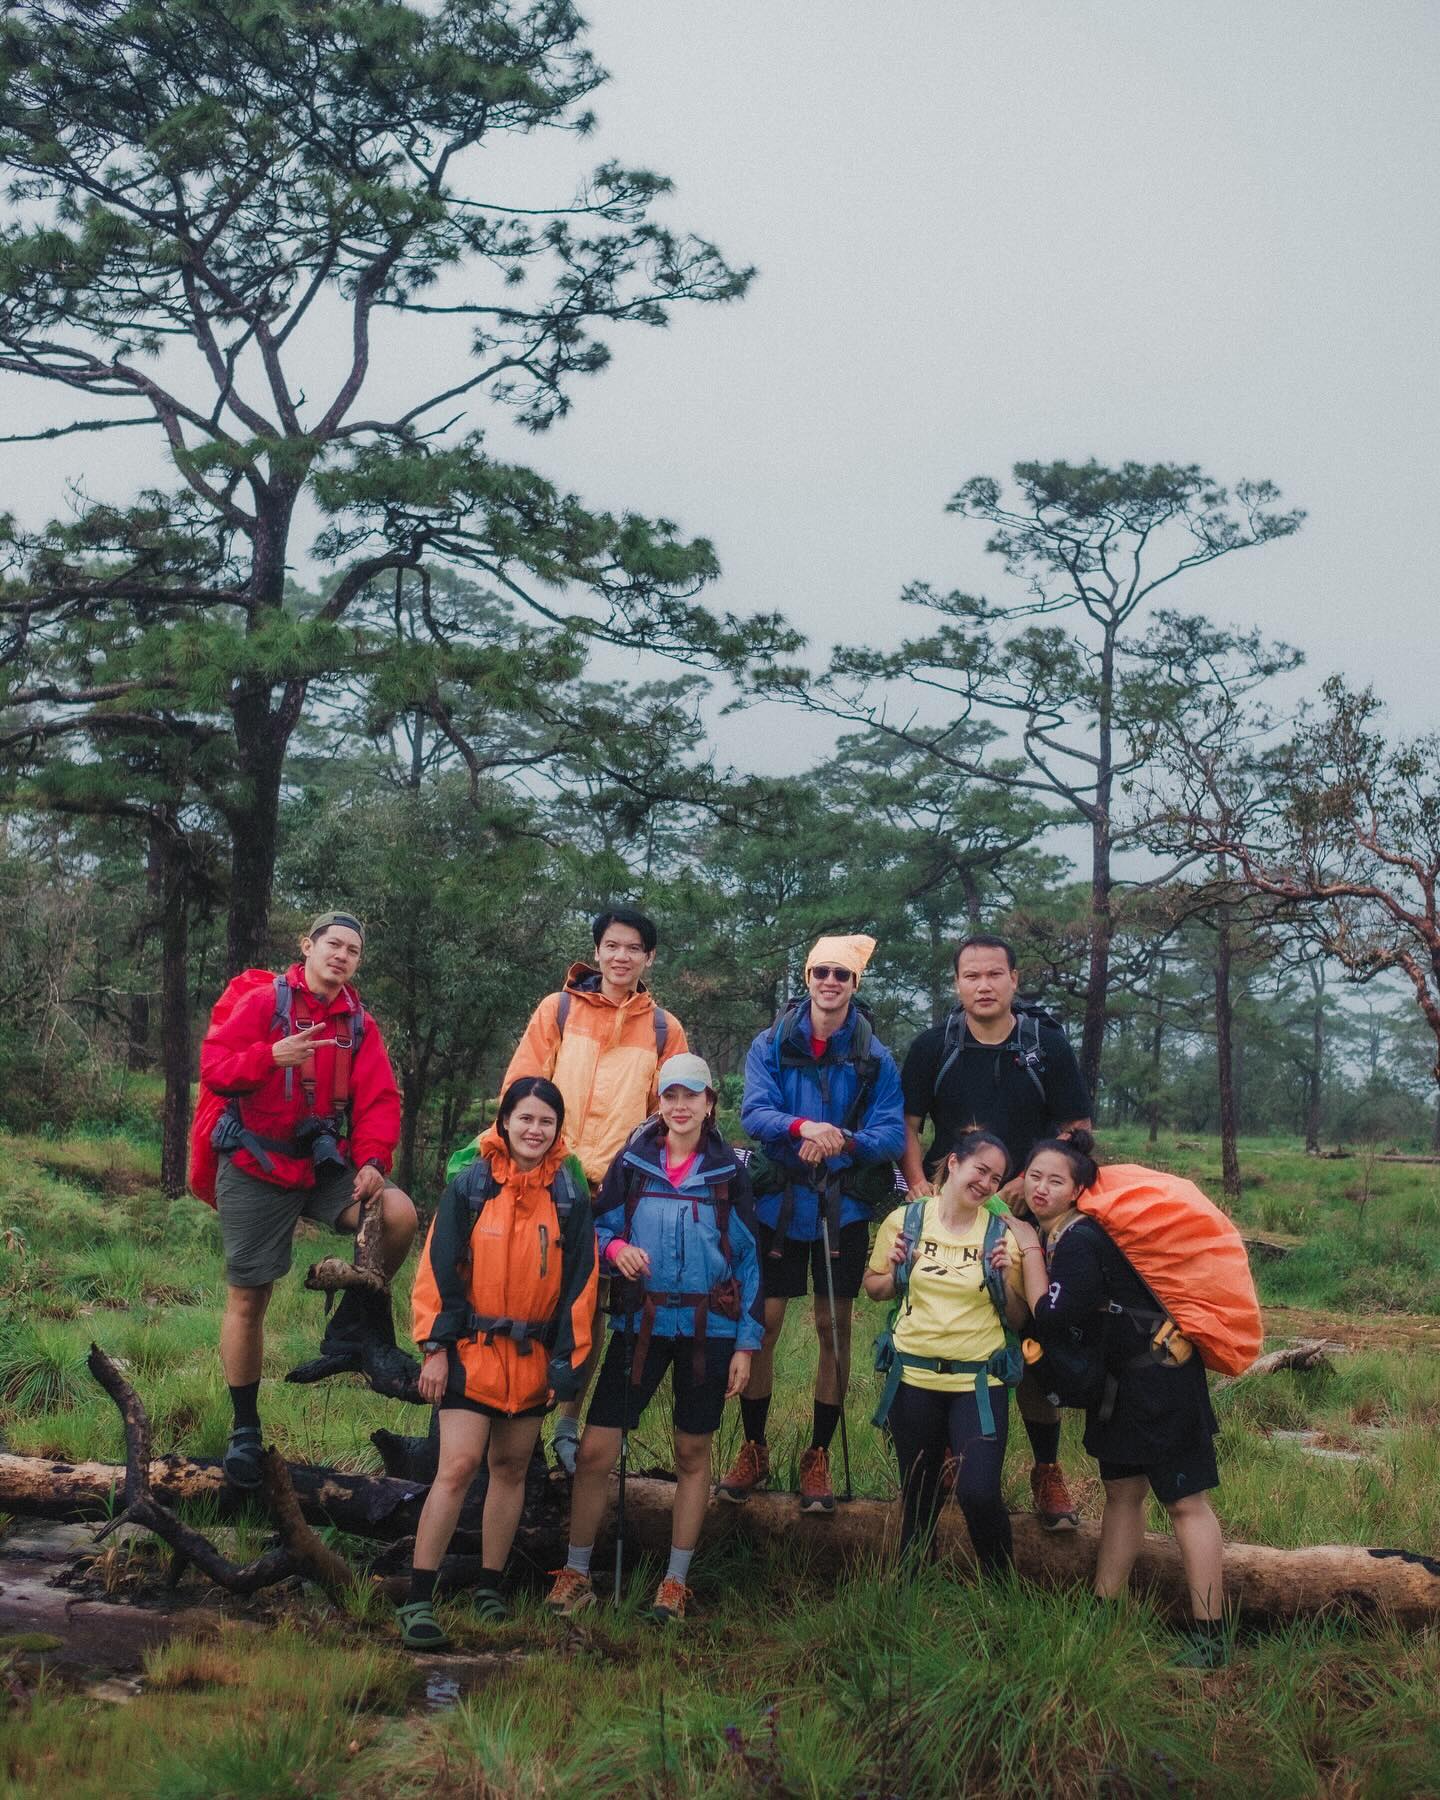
988, 233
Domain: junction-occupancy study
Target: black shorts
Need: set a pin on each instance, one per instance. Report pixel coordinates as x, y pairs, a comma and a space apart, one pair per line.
463, 1403
784, 1277
1171, 1478
698, 1404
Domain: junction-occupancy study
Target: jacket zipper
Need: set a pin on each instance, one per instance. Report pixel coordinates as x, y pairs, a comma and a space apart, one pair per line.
544, 1252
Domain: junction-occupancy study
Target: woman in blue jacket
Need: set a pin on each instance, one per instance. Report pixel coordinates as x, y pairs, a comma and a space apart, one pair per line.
675, 1223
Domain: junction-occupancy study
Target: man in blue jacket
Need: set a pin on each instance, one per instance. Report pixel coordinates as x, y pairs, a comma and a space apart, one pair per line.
823, 1101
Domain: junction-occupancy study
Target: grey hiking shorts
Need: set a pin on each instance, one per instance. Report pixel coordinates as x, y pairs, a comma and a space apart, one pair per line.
258, 1219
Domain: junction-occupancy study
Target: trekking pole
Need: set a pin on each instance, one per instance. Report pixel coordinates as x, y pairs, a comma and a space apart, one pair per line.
629, 1342
835, 1345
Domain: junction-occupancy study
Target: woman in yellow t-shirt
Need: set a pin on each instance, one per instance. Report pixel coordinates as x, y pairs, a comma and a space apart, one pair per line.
950, 1319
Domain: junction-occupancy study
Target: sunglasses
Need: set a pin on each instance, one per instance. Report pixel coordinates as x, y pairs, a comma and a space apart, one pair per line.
822, 972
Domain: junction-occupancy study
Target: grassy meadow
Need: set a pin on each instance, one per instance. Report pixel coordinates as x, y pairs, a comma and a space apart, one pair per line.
778, 1686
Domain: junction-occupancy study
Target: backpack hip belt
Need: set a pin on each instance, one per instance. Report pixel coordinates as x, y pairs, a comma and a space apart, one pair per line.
522, 1332
701, 1309
231, 1133
995, 1366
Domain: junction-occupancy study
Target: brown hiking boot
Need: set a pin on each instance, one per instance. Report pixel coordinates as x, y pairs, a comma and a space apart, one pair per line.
669, 1602
1054, 1508
572, 1592
815, 1494
750, 1470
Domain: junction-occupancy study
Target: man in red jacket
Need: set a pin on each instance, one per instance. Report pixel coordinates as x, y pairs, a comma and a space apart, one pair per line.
311, 1126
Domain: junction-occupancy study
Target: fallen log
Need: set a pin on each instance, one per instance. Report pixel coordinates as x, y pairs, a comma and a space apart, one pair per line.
1263, 1583
1272, 1247
1308, 1353
300, 1552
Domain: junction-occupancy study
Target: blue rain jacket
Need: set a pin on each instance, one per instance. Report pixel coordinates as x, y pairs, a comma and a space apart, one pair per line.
678, 1228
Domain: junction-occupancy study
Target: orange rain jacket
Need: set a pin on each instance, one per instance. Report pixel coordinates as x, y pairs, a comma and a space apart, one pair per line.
505, 1285
604, 1066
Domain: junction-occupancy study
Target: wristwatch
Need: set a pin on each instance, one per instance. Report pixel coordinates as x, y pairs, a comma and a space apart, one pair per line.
430, 1346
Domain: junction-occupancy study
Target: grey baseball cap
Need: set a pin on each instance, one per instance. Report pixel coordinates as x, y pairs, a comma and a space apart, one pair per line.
685, 1071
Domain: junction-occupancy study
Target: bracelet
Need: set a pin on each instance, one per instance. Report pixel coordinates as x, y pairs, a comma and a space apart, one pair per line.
1032, 1250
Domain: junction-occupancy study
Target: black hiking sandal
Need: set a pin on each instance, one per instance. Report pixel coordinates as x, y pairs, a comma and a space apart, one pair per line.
242, 1459
419, 1628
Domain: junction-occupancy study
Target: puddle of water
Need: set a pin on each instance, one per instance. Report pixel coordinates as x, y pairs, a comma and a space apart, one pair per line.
441, 1691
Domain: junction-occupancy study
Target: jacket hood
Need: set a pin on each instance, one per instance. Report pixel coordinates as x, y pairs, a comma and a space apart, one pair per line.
584, 979
646, 1146
496, 1152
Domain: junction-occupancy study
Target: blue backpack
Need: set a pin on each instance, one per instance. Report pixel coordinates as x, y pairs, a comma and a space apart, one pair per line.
1006, 1365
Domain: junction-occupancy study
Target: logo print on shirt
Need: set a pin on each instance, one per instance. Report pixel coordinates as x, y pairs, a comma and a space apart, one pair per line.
945, 1261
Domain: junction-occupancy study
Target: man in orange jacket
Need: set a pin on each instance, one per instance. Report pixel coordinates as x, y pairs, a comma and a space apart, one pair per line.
311, 1125
601, 1040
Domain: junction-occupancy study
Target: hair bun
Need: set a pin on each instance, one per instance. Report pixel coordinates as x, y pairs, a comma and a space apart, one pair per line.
1083, 1140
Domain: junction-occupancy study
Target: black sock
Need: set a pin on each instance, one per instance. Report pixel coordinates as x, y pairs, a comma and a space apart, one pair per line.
490, 1580
422, 1584
753, 1415
1044, 1441
1207, 1628
246, 1401
827, 1417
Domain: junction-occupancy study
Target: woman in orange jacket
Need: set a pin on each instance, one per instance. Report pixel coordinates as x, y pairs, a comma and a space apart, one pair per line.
503, 1308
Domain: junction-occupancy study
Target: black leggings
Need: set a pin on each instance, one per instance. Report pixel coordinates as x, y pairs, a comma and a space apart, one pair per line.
926, 1423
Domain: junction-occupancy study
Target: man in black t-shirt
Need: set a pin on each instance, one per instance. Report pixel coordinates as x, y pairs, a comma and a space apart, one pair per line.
1013, 1075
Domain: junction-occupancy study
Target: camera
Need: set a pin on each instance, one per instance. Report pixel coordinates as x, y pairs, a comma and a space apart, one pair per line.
317, 1138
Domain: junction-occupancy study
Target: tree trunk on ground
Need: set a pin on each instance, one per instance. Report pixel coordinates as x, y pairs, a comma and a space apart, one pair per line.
1261, 1582
174, 1012
1225, 1054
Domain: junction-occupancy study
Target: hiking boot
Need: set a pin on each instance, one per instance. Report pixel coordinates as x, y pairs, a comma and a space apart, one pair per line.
750, 1470
1054, 1508
815, 1491
571, 1594
242, 1459
669, 1602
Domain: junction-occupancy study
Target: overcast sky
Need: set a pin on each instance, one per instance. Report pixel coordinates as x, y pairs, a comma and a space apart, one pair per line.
1000, 231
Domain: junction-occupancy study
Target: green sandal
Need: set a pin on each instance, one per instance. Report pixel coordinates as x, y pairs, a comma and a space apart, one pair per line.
419, 1628
490, 1606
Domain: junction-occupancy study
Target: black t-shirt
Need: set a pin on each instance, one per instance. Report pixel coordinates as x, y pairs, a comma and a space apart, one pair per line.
988, 1085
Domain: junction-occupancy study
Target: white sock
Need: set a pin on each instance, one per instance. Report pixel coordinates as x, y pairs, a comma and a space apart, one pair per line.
679, 1565
579, 1559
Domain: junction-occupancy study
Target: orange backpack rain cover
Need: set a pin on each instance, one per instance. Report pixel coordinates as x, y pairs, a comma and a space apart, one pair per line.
1190, 1253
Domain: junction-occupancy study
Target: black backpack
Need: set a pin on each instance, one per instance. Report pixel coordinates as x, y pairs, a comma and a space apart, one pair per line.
860, 1055
1029, 1052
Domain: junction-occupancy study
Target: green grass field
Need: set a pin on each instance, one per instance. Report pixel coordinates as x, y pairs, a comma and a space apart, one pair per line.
779, 1686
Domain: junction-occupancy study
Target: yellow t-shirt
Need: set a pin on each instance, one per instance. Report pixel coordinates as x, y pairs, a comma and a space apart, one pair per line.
950, 1313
